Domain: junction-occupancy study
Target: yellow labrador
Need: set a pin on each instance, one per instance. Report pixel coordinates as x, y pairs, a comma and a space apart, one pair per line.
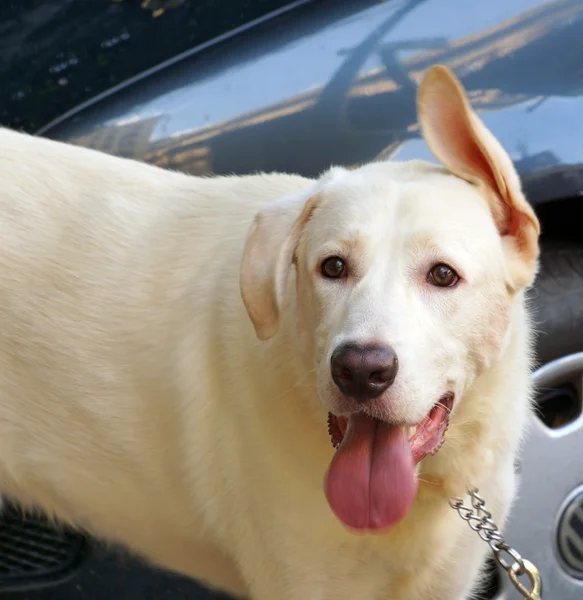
270, 383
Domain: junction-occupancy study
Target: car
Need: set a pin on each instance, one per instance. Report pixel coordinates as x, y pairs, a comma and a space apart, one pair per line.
271, 85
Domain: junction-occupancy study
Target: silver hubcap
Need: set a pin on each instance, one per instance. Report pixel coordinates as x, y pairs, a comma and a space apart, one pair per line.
546, 523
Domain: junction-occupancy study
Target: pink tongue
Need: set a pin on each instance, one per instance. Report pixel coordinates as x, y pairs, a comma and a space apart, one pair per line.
371, 481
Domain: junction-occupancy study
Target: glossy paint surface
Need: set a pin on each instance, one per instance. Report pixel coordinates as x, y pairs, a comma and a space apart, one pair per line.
334, 82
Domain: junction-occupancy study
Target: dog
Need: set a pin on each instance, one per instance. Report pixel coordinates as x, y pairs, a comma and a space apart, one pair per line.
270, 383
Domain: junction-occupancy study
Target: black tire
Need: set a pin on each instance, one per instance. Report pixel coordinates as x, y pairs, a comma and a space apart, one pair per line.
557, 301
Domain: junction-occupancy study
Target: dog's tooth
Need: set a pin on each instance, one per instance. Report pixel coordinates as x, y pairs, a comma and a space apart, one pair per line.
412, 431
334, 431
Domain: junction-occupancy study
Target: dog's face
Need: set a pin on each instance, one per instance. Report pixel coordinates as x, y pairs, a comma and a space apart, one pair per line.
406, 277
402, 289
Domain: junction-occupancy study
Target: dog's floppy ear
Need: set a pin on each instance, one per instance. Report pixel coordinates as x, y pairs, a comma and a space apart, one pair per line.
268, 256
462, 143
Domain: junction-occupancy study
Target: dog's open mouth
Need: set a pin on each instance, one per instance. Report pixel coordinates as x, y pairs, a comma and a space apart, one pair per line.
371, 482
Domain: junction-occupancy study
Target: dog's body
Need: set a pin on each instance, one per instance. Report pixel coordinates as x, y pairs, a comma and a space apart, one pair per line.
137, 402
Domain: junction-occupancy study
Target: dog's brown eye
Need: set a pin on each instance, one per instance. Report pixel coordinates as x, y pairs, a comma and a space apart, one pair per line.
442, 275
333, 268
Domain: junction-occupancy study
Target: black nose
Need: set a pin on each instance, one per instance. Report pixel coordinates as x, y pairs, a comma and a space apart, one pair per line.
363, 372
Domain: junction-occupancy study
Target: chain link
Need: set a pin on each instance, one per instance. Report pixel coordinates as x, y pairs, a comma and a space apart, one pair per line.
480, 520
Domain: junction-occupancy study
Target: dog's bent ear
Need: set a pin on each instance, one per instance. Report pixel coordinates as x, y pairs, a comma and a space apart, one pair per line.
268, 256
462, 143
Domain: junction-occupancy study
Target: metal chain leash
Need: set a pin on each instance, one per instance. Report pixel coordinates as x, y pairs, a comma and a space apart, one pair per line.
480, 520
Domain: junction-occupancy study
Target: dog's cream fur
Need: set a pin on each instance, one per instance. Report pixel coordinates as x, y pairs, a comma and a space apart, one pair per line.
137, 402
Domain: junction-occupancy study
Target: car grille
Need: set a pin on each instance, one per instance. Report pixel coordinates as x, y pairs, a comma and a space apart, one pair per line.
34, 552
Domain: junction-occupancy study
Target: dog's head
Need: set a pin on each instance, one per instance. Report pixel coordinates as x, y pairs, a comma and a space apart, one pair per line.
406, 276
